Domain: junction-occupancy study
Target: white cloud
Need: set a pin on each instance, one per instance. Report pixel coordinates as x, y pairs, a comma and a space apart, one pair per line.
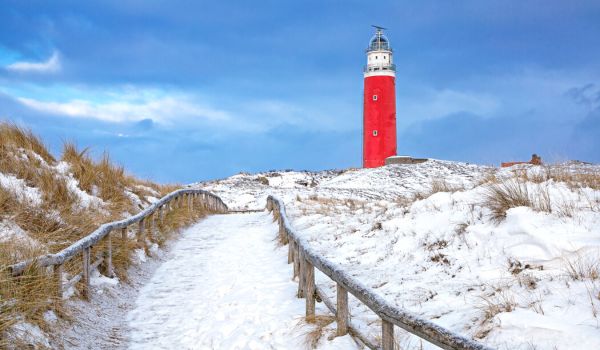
49, 66
166, 109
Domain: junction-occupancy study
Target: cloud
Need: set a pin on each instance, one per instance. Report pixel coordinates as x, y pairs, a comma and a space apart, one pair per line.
165, 109
49, 66
174, 108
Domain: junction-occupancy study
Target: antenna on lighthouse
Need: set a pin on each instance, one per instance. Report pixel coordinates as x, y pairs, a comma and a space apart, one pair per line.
378, 27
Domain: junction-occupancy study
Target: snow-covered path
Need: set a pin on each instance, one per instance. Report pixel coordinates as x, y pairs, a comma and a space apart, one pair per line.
226, 286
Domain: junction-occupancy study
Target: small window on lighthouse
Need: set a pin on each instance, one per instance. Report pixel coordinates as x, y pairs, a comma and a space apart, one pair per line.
374, 97
374, 132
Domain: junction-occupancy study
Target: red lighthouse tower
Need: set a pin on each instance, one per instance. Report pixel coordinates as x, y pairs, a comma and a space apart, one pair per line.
379, 116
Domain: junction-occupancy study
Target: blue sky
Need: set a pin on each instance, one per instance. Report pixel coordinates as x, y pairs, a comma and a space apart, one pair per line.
179, 91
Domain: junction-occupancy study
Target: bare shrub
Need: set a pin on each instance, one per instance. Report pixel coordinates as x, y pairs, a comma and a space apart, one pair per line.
583, 266
516, 192
263, 180
500, 300
441, 185
541, 199
509, 193
320, 322
575, 177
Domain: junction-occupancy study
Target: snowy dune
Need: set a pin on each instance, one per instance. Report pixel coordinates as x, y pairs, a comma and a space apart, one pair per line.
426, 238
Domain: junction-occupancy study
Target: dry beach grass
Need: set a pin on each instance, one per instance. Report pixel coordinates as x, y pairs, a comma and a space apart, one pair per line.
32, 227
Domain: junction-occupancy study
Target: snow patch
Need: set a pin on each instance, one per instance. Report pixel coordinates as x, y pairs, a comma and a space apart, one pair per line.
24, 193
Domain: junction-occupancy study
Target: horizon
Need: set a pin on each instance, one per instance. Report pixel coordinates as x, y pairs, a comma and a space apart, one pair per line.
182, 93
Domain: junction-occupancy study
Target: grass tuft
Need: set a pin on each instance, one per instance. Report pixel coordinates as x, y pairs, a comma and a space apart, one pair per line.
61, 218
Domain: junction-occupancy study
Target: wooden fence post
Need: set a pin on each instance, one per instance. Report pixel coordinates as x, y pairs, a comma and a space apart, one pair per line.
58, 273
153, 224
302, 273
124, 234
296, 260
108, 261
309, 288
142, 234
387, 335
290, 251
86, 272
342, 310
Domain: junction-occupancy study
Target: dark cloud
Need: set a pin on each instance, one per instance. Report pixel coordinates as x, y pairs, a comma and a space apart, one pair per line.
300, 54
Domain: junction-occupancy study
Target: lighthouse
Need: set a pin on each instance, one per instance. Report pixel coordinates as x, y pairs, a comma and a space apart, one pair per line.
379, 114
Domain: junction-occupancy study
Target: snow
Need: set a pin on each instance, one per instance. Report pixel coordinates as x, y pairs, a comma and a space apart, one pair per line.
12, 234
24, 193
85, 200
134, 198
226, 286
139, 256
99, 280
29, 334
442, 256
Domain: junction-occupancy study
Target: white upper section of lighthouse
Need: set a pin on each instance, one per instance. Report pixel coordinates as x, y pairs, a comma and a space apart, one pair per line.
379, 56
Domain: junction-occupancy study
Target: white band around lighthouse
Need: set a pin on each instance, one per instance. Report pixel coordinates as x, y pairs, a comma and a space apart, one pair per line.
388, 73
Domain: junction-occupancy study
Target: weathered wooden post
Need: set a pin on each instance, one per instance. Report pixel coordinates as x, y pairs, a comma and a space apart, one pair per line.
309, 289
290, 251
342, 310
124, 234
151, 224
86, 272
162, 214
282, 236
108, 260
141, 230
58, 273
296, 260
387, 335
302, 274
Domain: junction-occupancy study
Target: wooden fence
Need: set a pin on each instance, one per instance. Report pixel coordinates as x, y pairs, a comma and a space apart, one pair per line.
145, 219
305, 260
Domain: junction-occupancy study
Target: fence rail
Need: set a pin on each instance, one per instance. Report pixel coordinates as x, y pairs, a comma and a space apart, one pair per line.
177, 199
305, 260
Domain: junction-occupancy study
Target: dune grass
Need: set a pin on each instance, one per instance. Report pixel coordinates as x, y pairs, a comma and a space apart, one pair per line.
60, 218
